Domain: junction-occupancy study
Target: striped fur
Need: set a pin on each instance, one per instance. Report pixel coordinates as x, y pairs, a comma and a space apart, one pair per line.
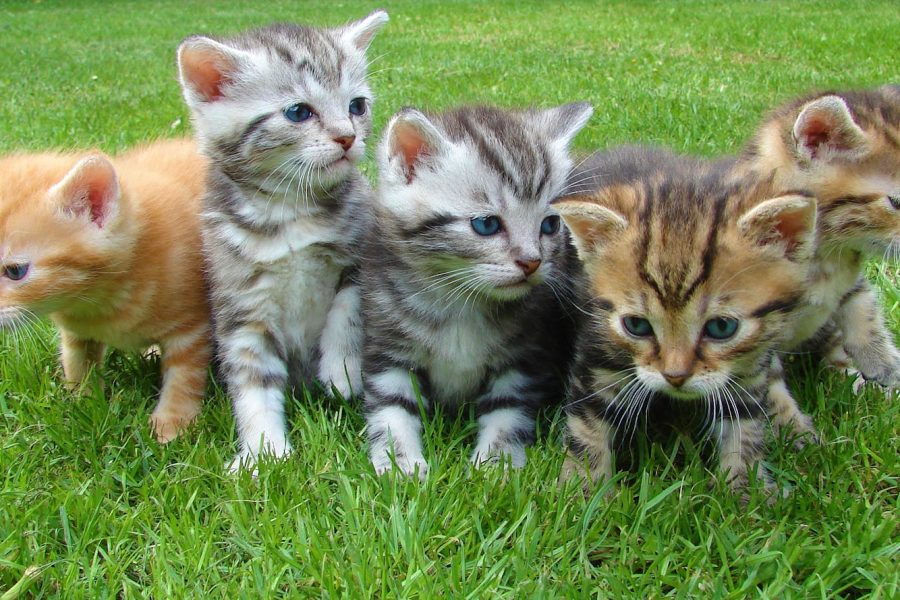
845, 148
666, 239
285, 210
450, 316
112, 251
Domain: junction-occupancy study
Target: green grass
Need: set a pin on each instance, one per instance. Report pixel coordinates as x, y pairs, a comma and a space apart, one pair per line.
90, 500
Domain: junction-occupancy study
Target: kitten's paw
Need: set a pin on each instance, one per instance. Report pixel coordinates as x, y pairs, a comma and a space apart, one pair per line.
739, 484
168, 424
246, 460
346, 380
590, 481
409, 466
512, 455
800, 426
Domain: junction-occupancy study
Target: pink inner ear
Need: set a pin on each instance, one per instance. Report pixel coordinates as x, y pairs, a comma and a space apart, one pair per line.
791, 226
816, 133
412, 147
205, 76
93, 190
98, 198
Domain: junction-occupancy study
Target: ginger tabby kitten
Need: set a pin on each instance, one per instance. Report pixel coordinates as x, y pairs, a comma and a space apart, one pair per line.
110, 251
843, 147
691, 285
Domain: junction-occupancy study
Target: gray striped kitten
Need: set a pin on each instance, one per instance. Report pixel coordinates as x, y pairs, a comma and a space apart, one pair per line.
464, 278
283, 113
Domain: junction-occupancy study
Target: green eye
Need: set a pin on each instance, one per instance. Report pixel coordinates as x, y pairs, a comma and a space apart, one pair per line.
720, 328
637, 326
895, 202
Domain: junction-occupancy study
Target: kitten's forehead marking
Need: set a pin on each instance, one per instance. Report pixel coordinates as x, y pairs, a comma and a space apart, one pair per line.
673, 272
523, 165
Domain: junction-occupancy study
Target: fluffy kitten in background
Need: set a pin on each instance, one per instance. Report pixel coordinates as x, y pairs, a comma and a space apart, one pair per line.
283, 113
466, 278
691, 285
844, 148
110, 251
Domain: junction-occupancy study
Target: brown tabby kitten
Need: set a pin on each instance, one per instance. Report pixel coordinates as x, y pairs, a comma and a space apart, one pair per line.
690, 285
110, 251
845, 149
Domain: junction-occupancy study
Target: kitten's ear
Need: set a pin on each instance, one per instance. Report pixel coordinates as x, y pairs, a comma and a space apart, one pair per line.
90, 190
360, 33
591, 225
206, 66
787, 221
825, 129
564, 122
412, 140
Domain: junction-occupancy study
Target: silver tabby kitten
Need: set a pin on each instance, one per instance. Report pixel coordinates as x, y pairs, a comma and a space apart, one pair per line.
464, 277
283, 113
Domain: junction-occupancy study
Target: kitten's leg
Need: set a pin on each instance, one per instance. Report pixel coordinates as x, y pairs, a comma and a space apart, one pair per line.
589, 439
185, 358
254, 362
78, 357
741, 451
783, 408
393, 423
866, 337
505, 420
340, 347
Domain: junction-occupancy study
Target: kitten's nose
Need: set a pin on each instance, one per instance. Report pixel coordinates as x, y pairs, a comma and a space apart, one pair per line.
345, 141
676, 379
528, 266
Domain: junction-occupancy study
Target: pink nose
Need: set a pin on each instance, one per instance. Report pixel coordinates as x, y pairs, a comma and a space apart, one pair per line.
345, 141
675, 379
528, 266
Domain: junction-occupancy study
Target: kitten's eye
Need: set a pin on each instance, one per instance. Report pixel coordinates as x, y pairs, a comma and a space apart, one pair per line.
550, 225
358, 106
637, 326
486, 225
720, 328
16, 272
895, 202
298, 112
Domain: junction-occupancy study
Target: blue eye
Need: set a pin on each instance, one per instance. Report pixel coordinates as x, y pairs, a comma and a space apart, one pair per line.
550, 225
358, 106
16, 272
720, 328
298, 112
486, 225
637, 326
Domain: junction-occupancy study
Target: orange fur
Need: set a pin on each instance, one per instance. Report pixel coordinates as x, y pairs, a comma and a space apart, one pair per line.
112, 260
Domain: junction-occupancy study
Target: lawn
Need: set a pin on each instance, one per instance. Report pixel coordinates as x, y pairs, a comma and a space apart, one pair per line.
91, 506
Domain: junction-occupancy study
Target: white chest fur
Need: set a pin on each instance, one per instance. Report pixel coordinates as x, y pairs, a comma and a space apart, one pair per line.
459, 355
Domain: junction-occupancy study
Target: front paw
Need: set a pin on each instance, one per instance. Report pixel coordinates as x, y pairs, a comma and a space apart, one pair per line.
800, 426
246, 460
168, 424
739, 484
512, 455
343, 377
591, 479
889, 382
408, 465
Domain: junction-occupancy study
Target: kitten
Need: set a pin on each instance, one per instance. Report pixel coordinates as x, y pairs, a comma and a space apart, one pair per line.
845, 149
690, 286
283, 113
464, 278
110, 250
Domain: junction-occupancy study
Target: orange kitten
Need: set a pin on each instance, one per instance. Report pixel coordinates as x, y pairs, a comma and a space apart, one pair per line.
110, 251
